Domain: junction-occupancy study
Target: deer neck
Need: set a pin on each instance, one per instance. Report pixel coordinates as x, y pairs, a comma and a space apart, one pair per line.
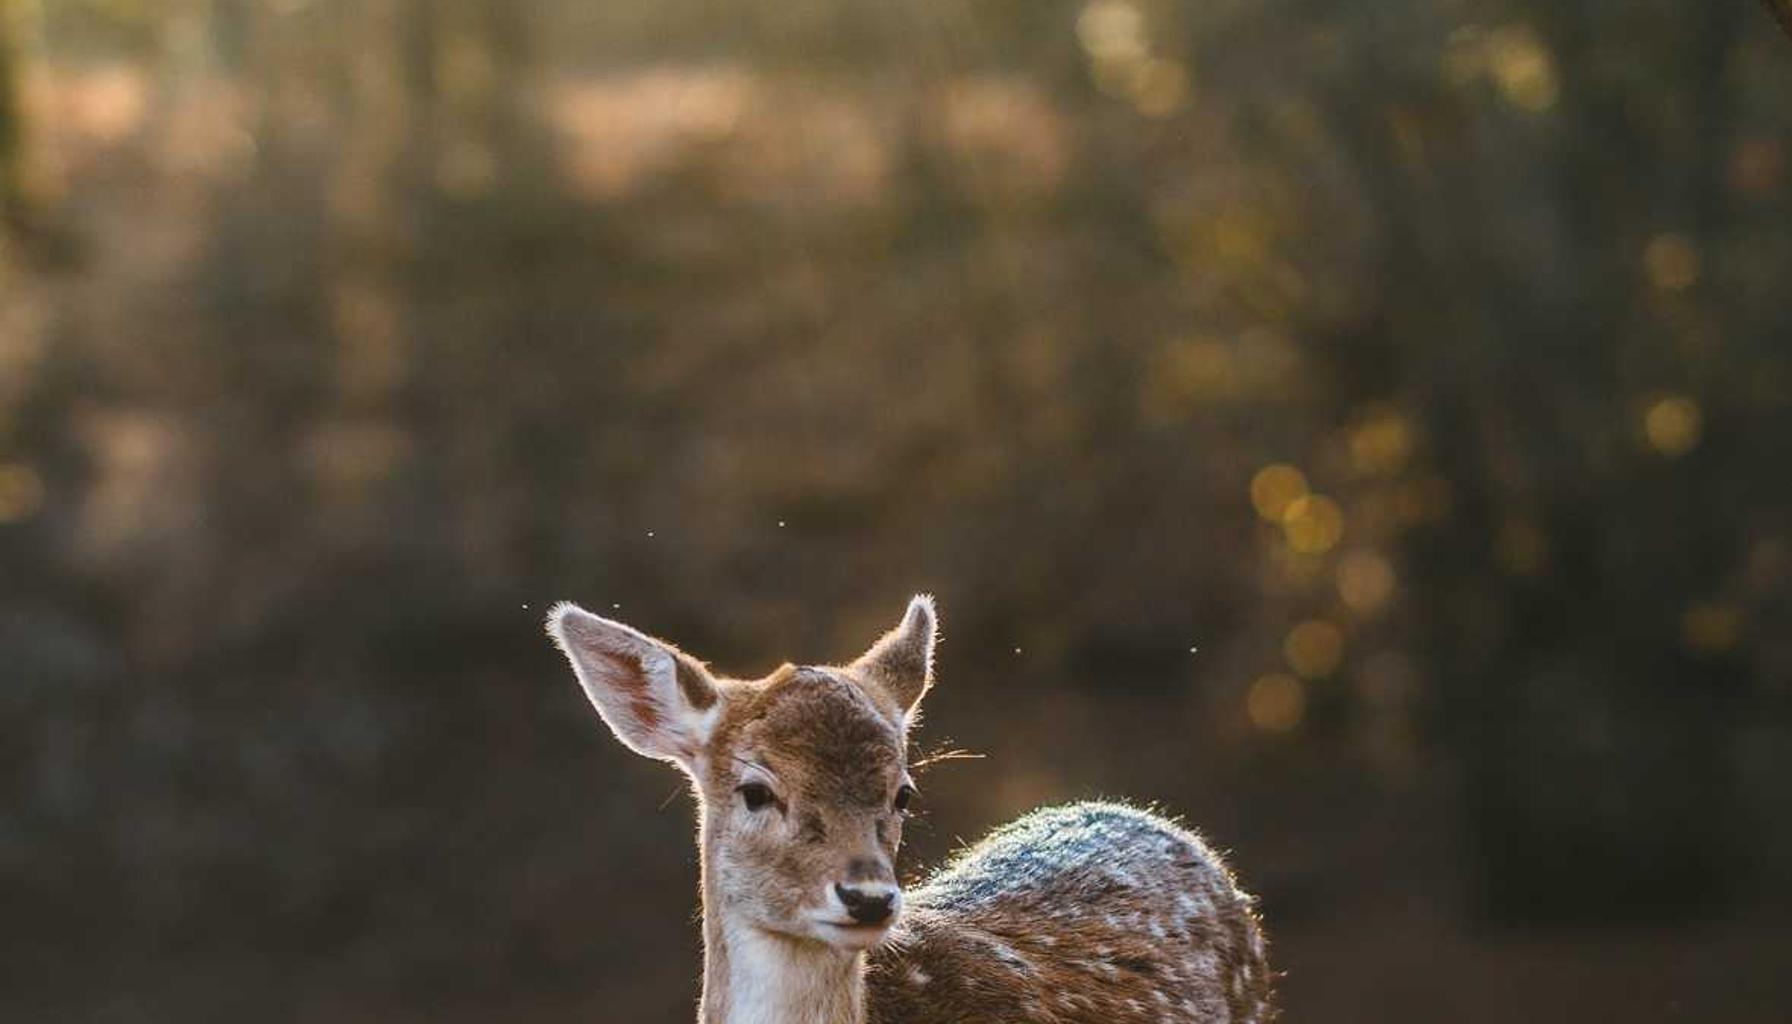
754, 977
751, 976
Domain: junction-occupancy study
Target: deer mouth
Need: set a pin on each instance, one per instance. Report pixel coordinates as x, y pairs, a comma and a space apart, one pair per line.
852, 934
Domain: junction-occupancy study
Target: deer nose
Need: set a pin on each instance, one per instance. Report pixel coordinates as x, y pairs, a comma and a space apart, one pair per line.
867, 904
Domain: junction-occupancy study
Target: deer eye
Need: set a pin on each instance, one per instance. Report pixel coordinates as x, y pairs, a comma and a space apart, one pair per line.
905, 795
756, 795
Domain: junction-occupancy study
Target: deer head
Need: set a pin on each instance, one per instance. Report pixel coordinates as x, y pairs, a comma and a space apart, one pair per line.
802, 776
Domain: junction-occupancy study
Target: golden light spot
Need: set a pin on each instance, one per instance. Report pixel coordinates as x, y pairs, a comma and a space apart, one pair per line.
1522, 68
21, 492
1313, 524
1365, 581
1711, 628
1381, 442
1314, 648
107, 104
1523, 549
1112, 30
1672, 425
1274, 488
1276, 703
1159, 87
1671, 262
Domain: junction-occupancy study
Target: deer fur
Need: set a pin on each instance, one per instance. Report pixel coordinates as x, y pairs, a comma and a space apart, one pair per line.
1092, 913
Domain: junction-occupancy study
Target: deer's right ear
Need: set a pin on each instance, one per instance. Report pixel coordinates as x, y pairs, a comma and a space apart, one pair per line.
657, 700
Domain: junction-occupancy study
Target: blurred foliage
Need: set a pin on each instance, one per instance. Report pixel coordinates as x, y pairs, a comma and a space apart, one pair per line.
11, 113
1358, 426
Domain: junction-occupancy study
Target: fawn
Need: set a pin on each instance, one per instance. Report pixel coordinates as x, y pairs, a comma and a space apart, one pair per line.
1071, 915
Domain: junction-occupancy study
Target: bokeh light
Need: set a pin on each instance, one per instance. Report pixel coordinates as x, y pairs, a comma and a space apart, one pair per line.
1274, 488
1314, 648
1523, 68
1671, 262
1365, 581
1381, 441
1276, 703
1313, 524
1672, 425
1112, 30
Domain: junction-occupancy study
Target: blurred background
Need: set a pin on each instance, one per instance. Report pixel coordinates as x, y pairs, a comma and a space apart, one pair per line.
1361, 428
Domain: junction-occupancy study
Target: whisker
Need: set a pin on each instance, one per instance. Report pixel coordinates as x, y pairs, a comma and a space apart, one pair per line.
948, 755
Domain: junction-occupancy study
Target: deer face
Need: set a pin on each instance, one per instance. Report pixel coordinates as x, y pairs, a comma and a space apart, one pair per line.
803, 775
804, 797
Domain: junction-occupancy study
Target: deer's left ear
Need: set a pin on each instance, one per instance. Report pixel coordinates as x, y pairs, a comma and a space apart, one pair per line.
901, 662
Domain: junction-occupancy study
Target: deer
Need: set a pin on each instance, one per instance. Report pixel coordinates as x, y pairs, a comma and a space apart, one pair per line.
1076, 914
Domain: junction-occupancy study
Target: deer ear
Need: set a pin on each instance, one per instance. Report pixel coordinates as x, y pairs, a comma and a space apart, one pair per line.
901, 662
658, 700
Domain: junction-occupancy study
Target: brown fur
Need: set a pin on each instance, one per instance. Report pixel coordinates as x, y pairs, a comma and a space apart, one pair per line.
1134, 921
